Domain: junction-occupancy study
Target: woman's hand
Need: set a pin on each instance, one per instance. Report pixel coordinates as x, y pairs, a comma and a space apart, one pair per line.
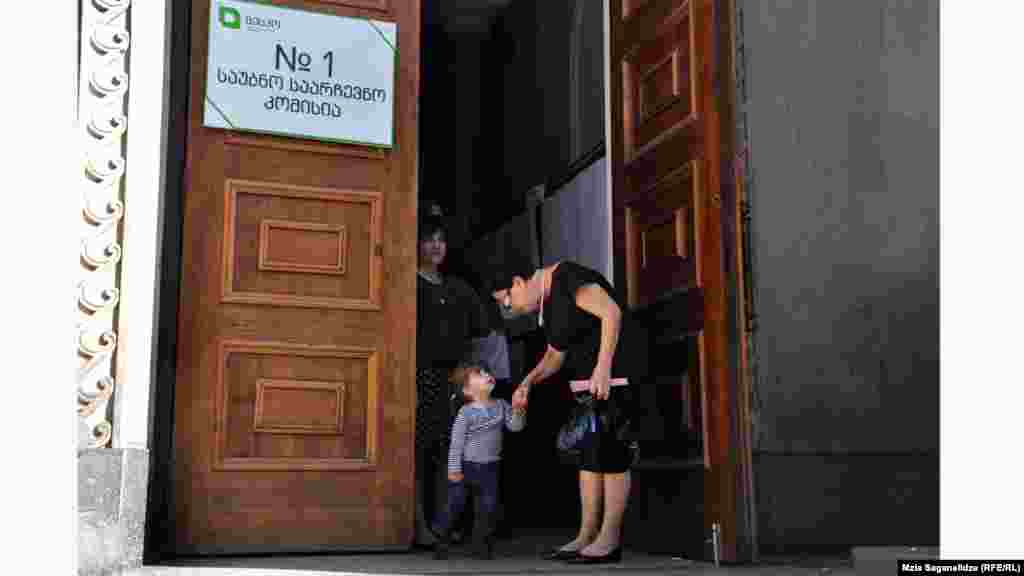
521, 397
455, 476
600, 383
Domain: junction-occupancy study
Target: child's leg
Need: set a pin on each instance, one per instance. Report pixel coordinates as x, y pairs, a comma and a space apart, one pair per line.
455, 504
461, 525
451, 511
486, 509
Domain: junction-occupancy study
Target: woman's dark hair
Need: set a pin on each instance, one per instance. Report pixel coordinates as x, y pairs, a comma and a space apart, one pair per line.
507, 272
430, 225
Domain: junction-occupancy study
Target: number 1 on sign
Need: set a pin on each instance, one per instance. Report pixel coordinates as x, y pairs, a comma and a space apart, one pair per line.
329, 56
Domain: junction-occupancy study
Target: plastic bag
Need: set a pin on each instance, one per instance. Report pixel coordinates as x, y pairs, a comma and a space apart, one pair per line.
583, 423
586, 423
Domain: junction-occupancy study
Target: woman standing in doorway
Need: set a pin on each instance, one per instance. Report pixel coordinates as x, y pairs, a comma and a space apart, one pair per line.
449, 314
602, 351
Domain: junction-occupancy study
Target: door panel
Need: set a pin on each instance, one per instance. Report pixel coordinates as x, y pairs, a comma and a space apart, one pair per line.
295, 370
661, 237
659, 87
666, 154
662, 133
296, 407
305, 246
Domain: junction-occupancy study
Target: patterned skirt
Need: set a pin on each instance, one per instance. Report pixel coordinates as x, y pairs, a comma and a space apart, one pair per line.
433, 427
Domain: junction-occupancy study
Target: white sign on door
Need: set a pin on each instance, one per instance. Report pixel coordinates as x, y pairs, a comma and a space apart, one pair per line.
302, 74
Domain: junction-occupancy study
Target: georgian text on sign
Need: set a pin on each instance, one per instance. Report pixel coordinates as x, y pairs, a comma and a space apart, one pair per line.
302, 74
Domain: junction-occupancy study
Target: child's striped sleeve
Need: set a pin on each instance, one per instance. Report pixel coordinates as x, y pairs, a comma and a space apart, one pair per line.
459, 430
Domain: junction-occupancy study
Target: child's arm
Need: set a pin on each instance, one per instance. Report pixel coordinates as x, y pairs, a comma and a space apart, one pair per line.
457, 446
515, 420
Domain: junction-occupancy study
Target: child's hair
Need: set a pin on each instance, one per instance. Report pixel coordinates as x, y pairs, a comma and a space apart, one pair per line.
460, 376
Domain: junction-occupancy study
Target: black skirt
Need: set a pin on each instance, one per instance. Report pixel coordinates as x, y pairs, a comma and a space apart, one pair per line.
610, 450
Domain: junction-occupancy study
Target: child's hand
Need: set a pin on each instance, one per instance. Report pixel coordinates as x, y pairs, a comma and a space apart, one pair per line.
520, 399
455, 476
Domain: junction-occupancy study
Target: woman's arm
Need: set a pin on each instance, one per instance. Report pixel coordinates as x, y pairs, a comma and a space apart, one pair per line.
548, 366
595, 300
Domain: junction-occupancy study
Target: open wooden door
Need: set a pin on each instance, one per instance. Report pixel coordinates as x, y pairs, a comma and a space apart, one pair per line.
670, 151
294, 402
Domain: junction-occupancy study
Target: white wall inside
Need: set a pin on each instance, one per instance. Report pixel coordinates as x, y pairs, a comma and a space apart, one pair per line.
577, 222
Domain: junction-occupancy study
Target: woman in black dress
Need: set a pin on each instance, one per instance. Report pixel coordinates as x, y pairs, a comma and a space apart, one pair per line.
592, 340
449, 314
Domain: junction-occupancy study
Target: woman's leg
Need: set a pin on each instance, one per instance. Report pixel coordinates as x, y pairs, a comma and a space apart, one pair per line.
591, 495
616, 495
424, 537
440, 497
430, 423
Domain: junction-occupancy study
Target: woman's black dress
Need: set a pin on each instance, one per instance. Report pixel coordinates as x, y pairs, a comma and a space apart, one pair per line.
576, 332
448, 316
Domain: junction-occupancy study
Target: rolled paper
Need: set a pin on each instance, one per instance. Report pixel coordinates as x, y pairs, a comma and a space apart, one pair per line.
584, 385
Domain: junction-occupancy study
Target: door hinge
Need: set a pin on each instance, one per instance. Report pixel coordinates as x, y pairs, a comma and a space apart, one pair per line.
379, 250
716, 543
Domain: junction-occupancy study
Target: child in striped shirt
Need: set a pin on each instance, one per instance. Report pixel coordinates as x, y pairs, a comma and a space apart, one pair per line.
475, 455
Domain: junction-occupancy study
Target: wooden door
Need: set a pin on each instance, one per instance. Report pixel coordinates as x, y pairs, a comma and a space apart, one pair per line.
670, 142
294, 402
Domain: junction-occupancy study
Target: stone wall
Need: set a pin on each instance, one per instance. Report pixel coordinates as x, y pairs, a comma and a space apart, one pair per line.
112, 486
842, 109
116, 295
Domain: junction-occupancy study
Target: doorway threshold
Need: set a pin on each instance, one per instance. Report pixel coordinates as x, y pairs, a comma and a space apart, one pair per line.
424, 565
418, 563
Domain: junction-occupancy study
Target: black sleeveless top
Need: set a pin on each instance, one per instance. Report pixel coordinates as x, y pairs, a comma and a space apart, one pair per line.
571, 329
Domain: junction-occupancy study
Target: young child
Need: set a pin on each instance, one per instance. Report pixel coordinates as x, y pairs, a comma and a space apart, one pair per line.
474, 457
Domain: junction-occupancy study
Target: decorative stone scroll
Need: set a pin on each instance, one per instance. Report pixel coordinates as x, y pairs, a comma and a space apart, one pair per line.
102, 121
